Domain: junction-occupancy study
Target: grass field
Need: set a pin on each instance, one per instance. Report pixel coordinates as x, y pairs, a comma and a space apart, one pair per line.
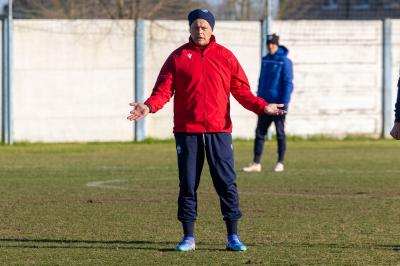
337, 203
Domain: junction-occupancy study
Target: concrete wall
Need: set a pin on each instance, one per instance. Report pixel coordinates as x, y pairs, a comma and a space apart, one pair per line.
73, 79
338, 76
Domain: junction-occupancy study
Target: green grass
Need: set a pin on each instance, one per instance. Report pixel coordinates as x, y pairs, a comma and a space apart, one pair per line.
337, 203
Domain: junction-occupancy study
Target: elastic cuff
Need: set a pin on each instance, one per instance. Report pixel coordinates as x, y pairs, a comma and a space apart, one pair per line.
148, 105
188, 228
262, 110
231, 227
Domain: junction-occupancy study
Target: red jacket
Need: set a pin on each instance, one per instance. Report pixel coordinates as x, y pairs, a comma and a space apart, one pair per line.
202, 82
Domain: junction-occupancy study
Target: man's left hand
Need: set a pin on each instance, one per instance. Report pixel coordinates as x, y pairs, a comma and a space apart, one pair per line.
273, 109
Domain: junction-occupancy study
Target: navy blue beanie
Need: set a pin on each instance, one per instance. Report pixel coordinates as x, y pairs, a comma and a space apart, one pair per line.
203, 14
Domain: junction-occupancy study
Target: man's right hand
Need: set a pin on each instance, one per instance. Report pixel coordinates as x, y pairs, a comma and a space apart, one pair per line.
138, 112
273, 109
396, 131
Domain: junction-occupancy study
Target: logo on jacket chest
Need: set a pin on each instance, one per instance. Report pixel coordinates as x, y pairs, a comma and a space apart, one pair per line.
273, 66
189, 55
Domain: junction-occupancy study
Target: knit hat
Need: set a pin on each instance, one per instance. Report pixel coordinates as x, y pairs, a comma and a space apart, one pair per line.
203, 14
273, 38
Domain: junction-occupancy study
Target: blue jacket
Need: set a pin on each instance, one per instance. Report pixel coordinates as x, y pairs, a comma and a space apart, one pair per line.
275, 84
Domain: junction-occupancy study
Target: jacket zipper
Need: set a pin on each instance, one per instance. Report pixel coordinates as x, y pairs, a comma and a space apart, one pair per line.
204, 88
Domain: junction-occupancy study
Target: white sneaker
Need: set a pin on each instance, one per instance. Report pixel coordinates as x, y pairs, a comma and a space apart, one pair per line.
253, 167
279, 167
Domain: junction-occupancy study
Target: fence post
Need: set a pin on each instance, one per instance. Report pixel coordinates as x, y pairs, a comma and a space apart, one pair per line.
266, 29
387, 108
266, 26
7, 34
139, 75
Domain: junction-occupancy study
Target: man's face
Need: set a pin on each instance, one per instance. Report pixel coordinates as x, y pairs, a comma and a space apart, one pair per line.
272, 48
201, 32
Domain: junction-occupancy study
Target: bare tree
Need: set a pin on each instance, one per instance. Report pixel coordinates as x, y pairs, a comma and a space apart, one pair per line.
241, 9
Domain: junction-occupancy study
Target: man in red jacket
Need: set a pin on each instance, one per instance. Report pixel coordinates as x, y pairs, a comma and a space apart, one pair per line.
202, 74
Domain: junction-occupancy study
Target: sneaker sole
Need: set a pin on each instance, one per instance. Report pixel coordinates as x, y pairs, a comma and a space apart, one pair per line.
236, 250
251, 171
186, 250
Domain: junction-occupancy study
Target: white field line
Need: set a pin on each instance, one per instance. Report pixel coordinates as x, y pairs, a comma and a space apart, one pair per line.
107, 184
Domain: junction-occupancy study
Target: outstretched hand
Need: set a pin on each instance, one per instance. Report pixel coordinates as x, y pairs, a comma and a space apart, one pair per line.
273, 109
396, 131
138, 112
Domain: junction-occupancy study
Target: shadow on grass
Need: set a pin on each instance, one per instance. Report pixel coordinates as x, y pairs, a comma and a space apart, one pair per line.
390, 247
150, 245
91, 244
332, 245
84, 244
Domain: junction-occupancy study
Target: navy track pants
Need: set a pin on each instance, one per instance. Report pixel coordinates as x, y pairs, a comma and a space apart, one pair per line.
263, 124
191, 150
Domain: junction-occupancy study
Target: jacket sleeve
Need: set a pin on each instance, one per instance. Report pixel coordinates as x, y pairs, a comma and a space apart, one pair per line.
397, 110
164, 88
240, 89
287, 81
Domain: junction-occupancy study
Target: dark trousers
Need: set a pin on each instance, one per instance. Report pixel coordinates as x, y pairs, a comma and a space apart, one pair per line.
263, 124
191, 150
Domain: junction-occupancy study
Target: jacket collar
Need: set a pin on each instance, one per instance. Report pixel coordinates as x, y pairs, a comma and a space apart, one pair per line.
282, 52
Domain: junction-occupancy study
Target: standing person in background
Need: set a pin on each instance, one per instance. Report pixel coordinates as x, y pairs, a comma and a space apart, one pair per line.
201, 75
396, 128
275, 85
